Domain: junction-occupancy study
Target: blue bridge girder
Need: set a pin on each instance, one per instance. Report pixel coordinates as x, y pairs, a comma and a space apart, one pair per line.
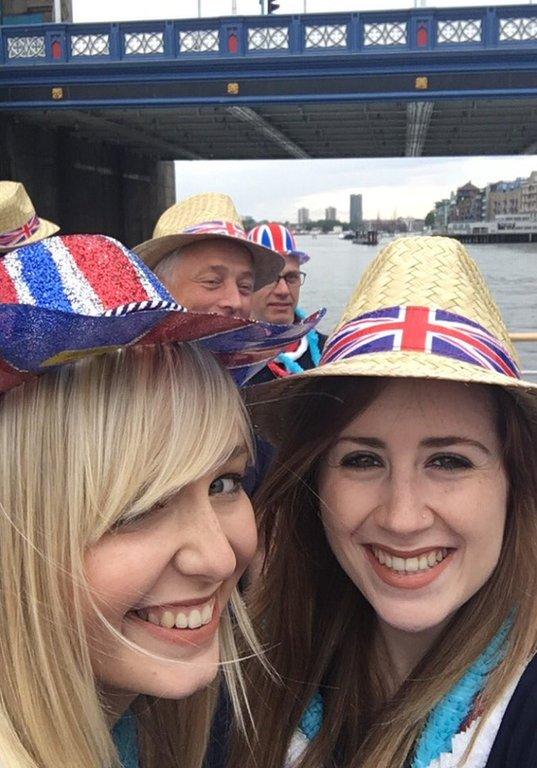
293, 83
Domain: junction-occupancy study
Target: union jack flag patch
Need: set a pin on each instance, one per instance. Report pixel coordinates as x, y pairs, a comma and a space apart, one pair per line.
420, 329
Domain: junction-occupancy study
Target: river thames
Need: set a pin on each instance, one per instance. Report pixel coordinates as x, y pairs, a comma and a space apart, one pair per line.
510, 270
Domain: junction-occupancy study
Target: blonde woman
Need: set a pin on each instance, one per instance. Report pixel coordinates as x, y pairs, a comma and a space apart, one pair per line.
123, 527
398, 598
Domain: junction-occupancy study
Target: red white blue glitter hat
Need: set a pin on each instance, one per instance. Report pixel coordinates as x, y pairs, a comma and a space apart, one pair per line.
279, 238
70, 297
421, 310
209, 216
19, 223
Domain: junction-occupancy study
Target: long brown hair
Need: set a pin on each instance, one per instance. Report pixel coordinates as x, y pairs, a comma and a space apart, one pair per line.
320, 632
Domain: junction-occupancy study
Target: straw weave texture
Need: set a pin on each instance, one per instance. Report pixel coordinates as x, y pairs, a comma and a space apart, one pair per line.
210, 206
16, 209
434, 272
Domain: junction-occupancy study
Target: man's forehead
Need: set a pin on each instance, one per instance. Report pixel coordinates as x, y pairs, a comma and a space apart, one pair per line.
291, 263
218, 253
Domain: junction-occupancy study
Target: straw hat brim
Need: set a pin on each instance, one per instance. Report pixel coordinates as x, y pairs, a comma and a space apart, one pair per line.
267, 264
271, 402
46, 229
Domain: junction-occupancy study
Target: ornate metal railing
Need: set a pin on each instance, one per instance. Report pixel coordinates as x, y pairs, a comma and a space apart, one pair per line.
331, 34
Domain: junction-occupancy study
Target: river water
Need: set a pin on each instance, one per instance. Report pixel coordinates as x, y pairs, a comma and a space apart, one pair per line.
510, 270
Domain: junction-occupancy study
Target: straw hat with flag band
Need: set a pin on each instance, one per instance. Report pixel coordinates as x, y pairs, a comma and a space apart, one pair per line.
421, 310
277, 237
19, 223
206, 217
70, 297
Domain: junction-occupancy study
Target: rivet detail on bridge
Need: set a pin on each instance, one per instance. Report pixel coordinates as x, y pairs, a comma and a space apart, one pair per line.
421, 83
233, 89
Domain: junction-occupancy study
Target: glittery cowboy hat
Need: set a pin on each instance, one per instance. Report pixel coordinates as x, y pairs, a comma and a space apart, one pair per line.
421, 310
203, 217
70, 297
278, 238
19, 223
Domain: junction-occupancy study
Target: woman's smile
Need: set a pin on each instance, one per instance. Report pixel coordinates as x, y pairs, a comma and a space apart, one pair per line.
409, 570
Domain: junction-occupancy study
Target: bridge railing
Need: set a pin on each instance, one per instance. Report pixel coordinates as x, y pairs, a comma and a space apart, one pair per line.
368, 33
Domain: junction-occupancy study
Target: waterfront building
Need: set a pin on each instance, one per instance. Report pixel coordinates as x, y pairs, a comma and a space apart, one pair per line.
504, 198
303, 216
330, 214
468, 205
441, 213
529, 194
356, 216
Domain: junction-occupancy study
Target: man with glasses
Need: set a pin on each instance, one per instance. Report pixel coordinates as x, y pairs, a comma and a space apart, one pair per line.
277, 302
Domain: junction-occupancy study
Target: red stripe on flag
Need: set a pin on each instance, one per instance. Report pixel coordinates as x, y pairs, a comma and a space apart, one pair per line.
279, 242
122, 284
415, 327
8, 292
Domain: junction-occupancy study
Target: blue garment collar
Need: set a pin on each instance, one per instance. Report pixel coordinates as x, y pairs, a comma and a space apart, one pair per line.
125, 736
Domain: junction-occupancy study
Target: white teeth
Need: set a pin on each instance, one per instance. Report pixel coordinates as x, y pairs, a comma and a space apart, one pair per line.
185, 619
167, 620
194, 620
207, 614
181, 622
415, 564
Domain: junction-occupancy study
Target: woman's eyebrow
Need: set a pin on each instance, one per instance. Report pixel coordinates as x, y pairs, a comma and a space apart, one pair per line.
444, 442
371, 442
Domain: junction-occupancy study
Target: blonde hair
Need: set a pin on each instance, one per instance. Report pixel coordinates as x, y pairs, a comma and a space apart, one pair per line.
81, 447
321, 632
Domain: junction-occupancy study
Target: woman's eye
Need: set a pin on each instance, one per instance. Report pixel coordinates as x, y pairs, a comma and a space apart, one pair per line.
449, 461
226, 484
361, 461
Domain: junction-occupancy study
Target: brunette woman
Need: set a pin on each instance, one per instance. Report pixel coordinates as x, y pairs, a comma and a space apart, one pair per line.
398, 598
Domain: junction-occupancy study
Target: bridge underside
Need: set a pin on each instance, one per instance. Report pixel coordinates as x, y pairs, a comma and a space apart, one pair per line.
320, 130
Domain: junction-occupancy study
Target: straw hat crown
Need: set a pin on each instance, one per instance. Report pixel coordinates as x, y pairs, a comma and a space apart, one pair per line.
16, 212
210, 206
208, 216
434, 272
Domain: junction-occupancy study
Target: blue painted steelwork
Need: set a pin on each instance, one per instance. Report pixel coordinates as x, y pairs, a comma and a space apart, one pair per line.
417, 54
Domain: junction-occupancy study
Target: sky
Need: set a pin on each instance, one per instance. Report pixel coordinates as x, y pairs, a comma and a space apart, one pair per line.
276, 189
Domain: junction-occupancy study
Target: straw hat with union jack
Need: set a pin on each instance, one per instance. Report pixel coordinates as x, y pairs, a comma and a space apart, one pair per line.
421, 310
209, 216
19, 223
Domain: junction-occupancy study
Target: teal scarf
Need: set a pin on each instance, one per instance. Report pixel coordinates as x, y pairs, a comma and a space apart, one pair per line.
125, 738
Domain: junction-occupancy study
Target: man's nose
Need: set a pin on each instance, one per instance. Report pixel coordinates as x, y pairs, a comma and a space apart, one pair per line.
231, 297
281, 287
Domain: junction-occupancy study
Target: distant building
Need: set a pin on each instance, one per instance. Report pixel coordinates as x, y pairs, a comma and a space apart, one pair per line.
33, 11
330, 214
504, 198
303, 215
356, 217
529, 194
441, 214
414, 225
468, 204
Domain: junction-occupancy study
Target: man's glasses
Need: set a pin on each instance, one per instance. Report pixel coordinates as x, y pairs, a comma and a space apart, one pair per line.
292, 278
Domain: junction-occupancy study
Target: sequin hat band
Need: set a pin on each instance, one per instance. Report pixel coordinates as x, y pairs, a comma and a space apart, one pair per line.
20, 234
420, 329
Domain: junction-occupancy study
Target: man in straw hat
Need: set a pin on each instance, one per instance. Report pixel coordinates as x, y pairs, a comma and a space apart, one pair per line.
200, 251
19, 223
